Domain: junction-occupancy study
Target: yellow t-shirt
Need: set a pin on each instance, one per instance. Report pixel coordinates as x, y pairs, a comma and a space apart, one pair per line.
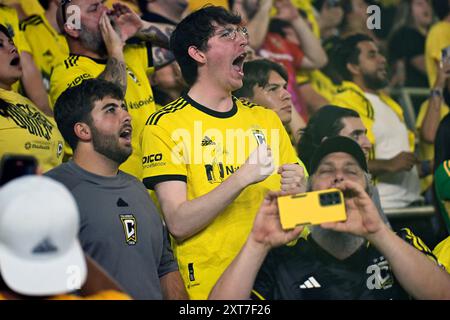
351, 96
197, 4
188, 142
442, 252
319, 81
49, 47
437, 39
138, 98
426, 150
26, 130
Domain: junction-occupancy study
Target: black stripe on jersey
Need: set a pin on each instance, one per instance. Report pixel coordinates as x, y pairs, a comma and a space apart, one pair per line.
407, 235
71, 61
151, 182
247, 103
178, 104
211, 112
32, 20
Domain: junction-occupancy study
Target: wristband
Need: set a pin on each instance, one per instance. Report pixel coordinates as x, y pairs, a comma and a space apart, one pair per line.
436, 93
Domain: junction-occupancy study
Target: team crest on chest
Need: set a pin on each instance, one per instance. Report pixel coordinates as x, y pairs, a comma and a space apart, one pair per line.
259, 136
130, 228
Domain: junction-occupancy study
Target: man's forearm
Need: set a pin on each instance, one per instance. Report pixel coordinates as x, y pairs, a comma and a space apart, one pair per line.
416, 273
258, 26
162, 57
431, 121
310, 44
33, 84
157, 33
237, 281
377, 166
192, 216
116, 71
172, 286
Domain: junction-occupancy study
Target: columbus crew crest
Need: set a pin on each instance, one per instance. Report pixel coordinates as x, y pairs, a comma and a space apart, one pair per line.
130, 228
259, 136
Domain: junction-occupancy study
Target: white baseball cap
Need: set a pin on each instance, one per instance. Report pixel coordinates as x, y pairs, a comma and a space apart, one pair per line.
39, 250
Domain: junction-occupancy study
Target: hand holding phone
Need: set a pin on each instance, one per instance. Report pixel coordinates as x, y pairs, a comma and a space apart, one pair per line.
313, 208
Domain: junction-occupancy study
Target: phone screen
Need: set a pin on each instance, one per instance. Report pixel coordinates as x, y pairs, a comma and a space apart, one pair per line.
13, 166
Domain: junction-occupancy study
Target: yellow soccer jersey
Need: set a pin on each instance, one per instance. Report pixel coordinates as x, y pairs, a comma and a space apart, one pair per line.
26, 130
442, 252
185, 141
49, 47
437, 39
138, 98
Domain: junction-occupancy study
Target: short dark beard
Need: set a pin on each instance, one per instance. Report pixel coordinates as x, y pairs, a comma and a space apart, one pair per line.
108, 146
93, 41
373, 82
339, 244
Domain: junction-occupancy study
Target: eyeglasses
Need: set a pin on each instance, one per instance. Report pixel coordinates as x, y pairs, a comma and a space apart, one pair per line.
63, 8
231, 33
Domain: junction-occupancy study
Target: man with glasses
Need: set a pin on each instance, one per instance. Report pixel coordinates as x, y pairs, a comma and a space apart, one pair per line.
209, 157
96, 37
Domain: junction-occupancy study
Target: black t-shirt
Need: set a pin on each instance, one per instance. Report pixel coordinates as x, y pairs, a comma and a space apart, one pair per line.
408, 43
307, 272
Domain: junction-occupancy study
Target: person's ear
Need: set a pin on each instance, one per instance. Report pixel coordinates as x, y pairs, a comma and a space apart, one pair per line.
353, 68
197, 54
70, 30
82, 131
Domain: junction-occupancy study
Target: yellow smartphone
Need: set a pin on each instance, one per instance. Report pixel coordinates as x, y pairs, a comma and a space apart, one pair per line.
314, 207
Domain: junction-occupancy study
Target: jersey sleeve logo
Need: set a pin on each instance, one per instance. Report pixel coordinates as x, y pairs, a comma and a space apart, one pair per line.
130, 228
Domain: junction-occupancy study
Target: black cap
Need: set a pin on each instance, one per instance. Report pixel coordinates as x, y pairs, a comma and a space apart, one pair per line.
338, 144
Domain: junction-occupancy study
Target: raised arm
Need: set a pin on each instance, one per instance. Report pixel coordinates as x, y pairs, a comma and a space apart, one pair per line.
433, 115
259, 24
115, 70
32, 83
131, 25
315, 56
184, 218
417, 274
238, 279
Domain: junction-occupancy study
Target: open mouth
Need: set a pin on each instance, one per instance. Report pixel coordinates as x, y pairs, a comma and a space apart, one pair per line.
15, 61
125, 133
238, 63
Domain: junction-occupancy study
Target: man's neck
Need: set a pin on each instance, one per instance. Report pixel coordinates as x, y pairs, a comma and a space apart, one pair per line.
78, 49
216, 99
339, 245
360, 83
93, 162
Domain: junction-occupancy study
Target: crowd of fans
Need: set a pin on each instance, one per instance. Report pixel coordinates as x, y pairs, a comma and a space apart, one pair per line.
176, 124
